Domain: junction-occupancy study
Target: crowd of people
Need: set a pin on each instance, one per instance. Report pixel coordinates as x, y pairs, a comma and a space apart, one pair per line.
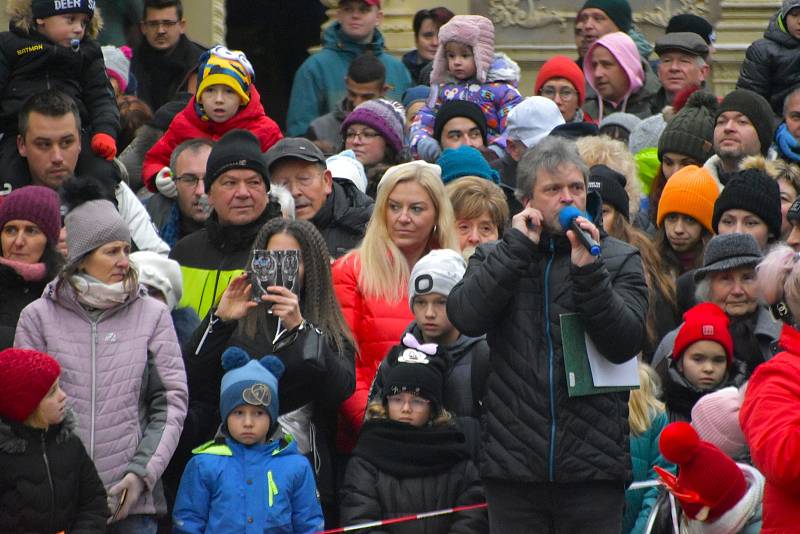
402, 302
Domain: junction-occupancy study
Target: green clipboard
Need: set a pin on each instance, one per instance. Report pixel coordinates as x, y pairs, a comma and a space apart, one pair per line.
576, 359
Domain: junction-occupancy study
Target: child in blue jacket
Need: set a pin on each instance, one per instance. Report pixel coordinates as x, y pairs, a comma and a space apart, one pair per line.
243, 481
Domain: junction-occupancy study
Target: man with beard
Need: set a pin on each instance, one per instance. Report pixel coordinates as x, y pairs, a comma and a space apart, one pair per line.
745, 126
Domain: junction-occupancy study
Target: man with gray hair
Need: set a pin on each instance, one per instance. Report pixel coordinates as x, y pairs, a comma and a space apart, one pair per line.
181, 206
682, 64
552, 460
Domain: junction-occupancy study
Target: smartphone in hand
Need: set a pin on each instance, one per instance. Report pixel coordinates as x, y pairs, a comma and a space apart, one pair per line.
120, 503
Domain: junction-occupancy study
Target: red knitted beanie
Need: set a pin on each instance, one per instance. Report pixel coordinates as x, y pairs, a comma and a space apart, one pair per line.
25, 378
704, 322
562, 67
706, 476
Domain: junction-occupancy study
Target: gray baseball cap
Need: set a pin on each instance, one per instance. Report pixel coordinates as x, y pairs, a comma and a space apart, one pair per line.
294, 147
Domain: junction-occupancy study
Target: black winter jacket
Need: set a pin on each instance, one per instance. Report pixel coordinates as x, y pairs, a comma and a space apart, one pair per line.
17, 293
514, 292
463, 384
161, 74
771, 65
343, 219
47, 481
397, 469
31, 63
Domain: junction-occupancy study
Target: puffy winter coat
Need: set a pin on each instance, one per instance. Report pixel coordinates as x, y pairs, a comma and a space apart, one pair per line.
317, 374
47, 481
343, 219
319, 82
376, 324
496, 98
188, 125
123, 372
644, 455
463, 384
211, 257
235, 488
771, 65
397, 469
31, 63
514, 292
771, 423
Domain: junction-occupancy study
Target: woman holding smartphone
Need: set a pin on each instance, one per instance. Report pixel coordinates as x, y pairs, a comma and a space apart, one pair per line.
304, 328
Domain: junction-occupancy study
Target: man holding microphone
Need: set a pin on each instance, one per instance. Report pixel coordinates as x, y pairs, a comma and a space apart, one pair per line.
551, 462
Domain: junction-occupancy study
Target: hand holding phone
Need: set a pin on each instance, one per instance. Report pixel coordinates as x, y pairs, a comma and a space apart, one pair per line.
120, 503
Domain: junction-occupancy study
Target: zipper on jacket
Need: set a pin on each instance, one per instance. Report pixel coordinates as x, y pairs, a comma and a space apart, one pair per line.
551, 461
94, 386
273, 488
49, 474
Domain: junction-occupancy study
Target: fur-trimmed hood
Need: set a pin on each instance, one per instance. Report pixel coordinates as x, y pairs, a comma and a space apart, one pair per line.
11, 442
20, 16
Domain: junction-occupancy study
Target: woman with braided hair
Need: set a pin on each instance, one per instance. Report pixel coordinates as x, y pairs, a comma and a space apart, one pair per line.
304, 327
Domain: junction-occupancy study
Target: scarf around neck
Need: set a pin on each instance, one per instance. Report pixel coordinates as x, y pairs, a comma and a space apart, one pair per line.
30, 272
95, 294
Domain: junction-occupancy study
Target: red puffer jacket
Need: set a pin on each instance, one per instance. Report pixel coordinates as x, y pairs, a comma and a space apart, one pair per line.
188, 125
377, 325
770, 419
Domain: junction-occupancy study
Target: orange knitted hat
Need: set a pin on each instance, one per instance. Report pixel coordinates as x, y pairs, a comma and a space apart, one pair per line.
691, 191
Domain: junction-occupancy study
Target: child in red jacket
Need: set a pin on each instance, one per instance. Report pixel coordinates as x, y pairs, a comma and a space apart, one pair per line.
226, 99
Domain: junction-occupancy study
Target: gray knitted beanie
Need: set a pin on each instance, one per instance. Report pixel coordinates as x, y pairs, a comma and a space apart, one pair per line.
92, 225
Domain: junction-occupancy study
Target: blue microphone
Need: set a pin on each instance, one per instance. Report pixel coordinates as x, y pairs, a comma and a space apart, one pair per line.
75, 44
566, 218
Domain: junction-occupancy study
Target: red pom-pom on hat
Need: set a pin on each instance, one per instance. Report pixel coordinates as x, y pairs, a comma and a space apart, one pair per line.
678, 442
706, 476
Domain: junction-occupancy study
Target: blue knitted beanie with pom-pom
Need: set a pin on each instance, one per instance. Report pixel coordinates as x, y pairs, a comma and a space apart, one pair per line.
249, 381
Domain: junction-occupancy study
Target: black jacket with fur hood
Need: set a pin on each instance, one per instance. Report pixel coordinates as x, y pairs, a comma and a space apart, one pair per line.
47, 481
31, 63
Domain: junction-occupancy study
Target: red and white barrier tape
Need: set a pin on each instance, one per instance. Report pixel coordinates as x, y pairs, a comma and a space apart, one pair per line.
447, 511
405, 518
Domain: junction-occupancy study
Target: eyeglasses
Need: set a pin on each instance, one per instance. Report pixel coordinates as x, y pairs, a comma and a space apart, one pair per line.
564, 93
417, 404
365, 135
189, 180
156, 24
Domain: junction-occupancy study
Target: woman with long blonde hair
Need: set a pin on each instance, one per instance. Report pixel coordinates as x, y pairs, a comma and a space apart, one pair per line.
647, 417
412, 216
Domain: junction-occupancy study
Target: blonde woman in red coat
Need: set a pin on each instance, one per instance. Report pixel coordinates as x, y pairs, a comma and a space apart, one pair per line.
412, 216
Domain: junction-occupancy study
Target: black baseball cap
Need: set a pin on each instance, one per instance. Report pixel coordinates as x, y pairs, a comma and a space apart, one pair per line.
294, 147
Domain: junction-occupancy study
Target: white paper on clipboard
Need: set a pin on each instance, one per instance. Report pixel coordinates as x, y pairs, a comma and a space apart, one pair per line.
607, 374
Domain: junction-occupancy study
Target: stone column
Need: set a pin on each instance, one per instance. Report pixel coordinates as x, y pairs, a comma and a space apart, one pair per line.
205, 21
